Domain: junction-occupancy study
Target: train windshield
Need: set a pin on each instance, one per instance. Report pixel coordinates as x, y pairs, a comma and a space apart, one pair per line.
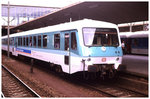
100, 37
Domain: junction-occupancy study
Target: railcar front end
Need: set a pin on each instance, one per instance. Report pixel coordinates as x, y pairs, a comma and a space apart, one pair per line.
101, 51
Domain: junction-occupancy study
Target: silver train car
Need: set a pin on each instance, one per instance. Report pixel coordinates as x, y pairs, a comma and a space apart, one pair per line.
135, 42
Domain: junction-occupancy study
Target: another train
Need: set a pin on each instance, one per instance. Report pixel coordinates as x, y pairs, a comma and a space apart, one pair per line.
80, 46
135, 42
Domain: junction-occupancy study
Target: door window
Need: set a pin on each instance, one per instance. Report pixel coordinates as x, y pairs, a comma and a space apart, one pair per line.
73, 41
67, 41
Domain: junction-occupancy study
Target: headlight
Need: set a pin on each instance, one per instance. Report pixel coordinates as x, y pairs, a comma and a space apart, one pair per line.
117, 59
89, 59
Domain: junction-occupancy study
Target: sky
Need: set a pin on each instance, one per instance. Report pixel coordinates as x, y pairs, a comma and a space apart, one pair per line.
47, 3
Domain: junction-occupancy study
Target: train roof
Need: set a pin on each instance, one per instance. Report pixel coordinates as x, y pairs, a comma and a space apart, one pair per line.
67, 26
134, 34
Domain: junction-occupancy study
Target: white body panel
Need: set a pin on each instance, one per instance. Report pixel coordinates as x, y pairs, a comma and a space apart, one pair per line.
75, 64
76, 61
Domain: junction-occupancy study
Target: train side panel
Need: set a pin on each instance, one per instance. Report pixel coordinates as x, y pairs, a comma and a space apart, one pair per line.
67, 47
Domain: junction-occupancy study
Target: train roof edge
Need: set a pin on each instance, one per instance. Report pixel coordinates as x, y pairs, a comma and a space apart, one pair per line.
134, 34
67, 26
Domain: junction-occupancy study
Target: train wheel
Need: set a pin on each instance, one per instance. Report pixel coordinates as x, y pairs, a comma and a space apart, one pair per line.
86, 75
111, 75
52, 66
92, 75
58, 69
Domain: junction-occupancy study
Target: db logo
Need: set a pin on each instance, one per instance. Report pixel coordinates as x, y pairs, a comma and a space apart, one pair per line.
103, 59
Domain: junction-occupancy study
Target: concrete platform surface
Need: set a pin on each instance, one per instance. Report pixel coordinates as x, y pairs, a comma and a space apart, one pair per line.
135, 64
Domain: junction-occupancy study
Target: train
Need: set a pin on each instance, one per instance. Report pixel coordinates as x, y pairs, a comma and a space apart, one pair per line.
135, 42
86, 45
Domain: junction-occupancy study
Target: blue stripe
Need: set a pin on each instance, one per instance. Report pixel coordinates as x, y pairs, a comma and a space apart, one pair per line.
23, 50
97, 52
84, 52
61, 52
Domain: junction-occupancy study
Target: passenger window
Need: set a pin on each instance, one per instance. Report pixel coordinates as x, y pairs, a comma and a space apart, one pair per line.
3, 41
10, 41
34, 41
57, 41
27, 41
30, 41
6, 41
73, 41
44, 41
39, 41
19, 41
24, 41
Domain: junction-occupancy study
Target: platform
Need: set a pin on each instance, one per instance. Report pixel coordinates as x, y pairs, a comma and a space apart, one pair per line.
135, 64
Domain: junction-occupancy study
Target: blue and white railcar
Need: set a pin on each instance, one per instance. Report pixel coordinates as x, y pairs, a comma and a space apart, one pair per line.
135, 42
84, 45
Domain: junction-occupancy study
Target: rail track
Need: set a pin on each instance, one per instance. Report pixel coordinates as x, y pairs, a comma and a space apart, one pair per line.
107, 88
12, 86
135, 76
115, 87
112, 91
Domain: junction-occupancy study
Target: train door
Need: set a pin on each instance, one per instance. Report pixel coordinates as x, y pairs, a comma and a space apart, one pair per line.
67, 37
70, 47
67, 50
13, 46
15, 43
73, 51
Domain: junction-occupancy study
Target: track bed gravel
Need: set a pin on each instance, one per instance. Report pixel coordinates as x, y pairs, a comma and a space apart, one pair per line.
46, 84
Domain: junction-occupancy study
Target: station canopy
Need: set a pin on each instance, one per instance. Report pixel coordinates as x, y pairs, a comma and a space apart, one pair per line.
114, 12
21, 13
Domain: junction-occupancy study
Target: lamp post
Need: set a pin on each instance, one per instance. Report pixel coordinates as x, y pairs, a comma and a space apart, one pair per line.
8, 29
